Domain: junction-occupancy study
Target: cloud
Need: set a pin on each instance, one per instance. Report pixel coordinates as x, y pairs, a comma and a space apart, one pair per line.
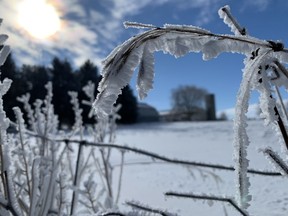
253, 112
260, 5
74, 38
90, 29
207, 9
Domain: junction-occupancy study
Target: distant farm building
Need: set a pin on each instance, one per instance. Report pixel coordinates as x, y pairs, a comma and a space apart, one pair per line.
147, 113
196, 114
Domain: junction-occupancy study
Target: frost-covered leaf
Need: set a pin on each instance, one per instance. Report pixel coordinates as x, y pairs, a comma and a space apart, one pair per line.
116, 79
4, 54
233, 44
146, 73
4, 121
4, 86
3, 38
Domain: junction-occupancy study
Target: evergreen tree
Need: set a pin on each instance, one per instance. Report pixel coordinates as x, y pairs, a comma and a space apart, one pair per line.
36, 77
63, 81
8, 69
33, 78
128, 111
87, 72
18, 87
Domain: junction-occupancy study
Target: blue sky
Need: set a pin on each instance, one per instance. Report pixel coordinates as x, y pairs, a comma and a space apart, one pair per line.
92, 28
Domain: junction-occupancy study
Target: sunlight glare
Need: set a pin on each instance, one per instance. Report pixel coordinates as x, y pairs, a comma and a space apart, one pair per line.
38, 18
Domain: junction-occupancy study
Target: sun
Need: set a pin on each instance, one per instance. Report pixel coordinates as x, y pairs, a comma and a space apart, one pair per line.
39, 18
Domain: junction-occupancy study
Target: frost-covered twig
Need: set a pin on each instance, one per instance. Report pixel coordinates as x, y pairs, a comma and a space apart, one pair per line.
106, 173
21, 129
120, 177
277, 161
283, 109
90, 191
228, 19
166, 159
282, 127
78, 126
30, 114
111, 214
5, 157
76, 182
209, 198
62, 180
159, 157
142, 207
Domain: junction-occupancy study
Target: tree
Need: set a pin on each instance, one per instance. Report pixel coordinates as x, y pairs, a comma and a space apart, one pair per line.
18, 86
128, 111
223, 116
63, 81
9, 69
187, 100
87, 72
35, 77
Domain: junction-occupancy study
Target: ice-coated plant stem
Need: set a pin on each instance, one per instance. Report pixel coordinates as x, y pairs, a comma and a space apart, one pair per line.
277, 161
164, 158
76, 182
209, 197
139, 206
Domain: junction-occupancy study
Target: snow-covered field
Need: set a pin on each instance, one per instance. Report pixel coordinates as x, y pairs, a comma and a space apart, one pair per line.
210, 142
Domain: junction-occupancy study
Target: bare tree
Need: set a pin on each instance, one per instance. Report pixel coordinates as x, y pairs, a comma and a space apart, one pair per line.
223, 116
188, 99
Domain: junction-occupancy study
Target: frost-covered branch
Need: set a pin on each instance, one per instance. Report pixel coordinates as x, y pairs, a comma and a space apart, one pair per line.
277, 161
282, 127
280, 100
142, 207
111, 214
78, 126
76, 181
164, 158
120, 177
174, 39
21, 129
179, 40
209, 198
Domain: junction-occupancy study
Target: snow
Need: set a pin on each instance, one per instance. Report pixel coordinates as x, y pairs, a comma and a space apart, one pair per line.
210, 142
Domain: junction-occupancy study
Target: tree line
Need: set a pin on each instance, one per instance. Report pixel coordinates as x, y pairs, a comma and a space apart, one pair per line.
64, 78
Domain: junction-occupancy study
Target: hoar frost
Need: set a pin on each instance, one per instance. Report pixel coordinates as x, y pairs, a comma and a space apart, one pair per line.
178, 40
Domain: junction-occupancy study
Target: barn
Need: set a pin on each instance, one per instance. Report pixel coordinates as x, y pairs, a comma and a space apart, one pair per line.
147, 113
